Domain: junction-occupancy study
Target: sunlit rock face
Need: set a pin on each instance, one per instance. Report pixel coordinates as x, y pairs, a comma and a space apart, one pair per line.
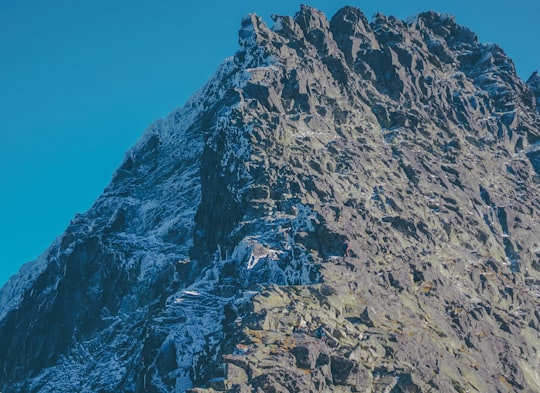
346, 206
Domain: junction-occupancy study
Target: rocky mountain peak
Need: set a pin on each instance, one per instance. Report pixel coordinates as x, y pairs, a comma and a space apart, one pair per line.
346, 206
253, 31
352, 32
445, 27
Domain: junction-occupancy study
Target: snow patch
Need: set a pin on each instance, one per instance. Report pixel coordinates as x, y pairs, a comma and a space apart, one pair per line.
252, 251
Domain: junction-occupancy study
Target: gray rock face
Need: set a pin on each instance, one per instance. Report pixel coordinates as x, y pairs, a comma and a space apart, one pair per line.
534, 84
346, 206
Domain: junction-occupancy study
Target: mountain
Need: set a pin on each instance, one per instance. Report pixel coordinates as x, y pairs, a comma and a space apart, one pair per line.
346, 206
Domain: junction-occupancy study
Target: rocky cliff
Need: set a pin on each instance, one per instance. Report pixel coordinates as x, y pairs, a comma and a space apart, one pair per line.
346, 206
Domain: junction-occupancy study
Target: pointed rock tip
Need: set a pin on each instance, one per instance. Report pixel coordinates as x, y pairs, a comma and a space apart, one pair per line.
389, 21
443, 25
351, 14
534, 81
286, 26
250, 29
310, 18
309, 9
351, 31
436, 17
251, 19
382, 17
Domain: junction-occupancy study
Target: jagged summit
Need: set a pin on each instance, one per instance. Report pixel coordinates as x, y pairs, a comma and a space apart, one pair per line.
345, 206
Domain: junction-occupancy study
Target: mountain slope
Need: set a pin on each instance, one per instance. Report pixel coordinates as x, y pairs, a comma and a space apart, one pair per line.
345, 206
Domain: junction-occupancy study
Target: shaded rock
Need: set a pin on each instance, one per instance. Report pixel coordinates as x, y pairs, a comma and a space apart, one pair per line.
366, 319
350, 373
305, 358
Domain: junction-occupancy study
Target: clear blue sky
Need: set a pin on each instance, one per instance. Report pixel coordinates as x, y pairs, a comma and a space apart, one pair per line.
81, 80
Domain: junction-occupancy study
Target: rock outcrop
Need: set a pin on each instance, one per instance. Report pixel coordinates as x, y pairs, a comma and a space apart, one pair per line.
346, 206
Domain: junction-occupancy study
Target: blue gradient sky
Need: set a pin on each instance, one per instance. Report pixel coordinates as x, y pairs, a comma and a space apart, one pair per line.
80, 81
